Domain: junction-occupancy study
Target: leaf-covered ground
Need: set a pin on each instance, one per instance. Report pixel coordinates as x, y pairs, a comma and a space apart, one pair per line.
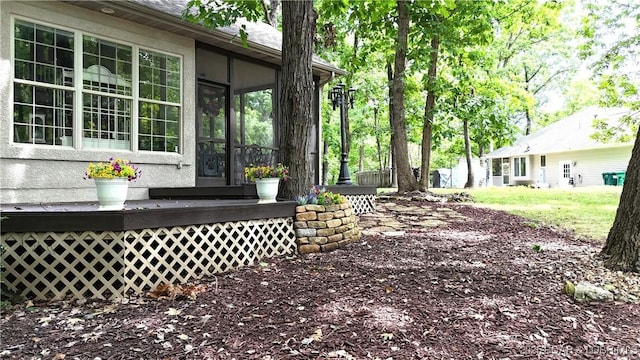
427, 281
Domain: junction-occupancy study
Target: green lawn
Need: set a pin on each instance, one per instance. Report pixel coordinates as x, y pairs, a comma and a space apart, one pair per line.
590, 211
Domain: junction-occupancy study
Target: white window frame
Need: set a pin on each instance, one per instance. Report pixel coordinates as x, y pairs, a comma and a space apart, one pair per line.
79, 90
517, 166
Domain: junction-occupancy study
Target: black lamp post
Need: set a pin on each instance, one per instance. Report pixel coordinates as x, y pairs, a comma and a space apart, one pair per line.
340, 97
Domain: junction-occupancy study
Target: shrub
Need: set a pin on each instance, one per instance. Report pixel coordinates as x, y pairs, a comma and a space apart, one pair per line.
320, 196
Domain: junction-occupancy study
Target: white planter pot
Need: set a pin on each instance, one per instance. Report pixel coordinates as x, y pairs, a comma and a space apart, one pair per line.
112, 193
267, 190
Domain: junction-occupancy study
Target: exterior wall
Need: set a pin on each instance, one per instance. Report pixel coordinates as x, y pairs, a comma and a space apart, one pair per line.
589, 164
587, 167
36, 173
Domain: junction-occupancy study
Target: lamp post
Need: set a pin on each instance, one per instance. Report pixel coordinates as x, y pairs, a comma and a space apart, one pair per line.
341, 98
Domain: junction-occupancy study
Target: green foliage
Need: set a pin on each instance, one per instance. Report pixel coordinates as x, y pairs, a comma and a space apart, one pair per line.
219, 13
537, 248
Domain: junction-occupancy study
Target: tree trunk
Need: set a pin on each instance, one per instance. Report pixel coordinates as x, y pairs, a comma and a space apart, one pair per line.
467, 153
622, 249
379, 147
429, 107
406, 180
392, 156
296, 115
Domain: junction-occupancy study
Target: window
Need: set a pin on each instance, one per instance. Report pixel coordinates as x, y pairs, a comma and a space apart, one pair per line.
159, 101
520, 166
107, 94
50, 67
43, 85
543, 160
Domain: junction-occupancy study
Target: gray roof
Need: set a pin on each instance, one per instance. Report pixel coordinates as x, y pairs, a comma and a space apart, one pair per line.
569, 134
264, 41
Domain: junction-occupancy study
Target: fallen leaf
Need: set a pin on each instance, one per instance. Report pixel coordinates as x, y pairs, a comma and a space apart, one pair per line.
317, 335
386, 336
183, 337
59, 356
173, 312
388, 289
188, 348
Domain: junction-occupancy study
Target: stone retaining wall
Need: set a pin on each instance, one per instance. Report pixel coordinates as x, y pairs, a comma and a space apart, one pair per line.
325, 228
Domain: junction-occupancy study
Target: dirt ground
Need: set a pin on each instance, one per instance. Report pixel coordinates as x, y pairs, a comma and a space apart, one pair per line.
427, 281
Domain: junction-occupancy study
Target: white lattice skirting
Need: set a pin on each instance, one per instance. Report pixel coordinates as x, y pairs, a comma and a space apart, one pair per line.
110, 265
362, 203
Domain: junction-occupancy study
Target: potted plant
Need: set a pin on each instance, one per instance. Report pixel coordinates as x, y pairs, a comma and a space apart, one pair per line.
112, 181
267, 177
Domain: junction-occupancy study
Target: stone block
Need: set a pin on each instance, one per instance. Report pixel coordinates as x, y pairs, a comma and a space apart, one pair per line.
329, 246
348, 212
302, 240
341, 229
299, 224
334, 238
348, 233
305, 232
315, 207
318, 240
338, 214
325, 216
325, 232
301, 209
306, 216
307, 249
334, 207
345, 205
334, 223
317, 224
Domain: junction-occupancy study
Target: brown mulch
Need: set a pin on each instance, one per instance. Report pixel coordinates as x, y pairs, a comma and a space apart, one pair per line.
427, 281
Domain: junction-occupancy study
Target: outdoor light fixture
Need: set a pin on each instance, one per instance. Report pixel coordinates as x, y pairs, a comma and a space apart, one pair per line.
341, 98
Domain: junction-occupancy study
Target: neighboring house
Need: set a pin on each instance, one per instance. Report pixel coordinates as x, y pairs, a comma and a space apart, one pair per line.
82, 81
563, 154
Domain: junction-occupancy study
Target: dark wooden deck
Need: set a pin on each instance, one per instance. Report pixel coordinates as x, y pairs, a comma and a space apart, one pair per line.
137, 214
166, 207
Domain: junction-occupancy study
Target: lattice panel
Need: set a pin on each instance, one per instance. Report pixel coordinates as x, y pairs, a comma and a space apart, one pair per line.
56, 265
180, 254
362, 204
109, 265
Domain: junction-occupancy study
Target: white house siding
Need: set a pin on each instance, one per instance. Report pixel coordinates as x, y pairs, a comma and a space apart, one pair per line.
589, 164
36, 173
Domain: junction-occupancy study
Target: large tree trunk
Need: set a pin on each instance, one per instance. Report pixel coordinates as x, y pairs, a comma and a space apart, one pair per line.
467, 153
429, 107
406, 180
622, 250
296, 95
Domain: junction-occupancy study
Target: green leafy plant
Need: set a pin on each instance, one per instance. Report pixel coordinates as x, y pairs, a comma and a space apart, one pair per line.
320, 196
114, 168
537, 248
253, 172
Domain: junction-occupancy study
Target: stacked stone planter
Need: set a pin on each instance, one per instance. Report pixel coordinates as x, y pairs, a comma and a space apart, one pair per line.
322, 228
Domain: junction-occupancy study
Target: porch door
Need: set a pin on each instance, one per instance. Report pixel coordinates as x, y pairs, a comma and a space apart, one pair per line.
565, 175
212, 119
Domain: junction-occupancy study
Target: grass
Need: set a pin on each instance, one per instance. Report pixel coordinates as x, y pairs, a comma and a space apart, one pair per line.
589, 211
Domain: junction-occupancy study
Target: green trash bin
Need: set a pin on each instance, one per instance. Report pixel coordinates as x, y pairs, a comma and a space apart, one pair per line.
609, 178
621, 175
